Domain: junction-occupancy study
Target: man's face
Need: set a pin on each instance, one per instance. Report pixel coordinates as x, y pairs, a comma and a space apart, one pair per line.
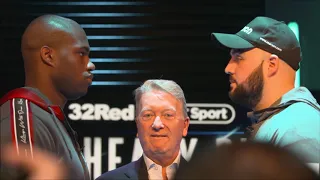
73, 76
246, 76
161, 124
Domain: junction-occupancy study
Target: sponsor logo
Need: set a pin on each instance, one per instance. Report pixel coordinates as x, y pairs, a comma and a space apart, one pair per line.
199, 113
89, 111
247, 29
270, 44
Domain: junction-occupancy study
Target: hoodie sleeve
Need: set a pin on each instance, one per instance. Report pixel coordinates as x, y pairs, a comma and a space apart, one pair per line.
302, 132
21, 127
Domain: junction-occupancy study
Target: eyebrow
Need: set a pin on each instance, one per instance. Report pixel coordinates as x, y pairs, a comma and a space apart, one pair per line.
148, 109
232, 53
236, 54
87, 49
236, 51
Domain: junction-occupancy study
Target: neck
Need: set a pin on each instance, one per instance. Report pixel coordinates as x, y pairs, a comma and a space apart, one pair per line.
164, 160
271, 94
48, 89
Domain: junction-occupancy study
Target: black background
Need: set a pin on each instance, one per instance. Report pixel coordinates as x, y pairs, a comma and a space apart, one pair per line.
173, 43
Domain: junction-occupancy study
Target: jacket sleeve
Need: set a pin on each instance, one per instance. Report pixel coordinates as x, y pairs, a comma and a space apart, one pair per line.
24, 132
30, 132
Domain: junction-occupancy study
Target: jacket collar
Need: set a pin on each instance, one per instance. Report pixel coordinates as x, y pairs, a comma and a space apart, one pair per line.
139, 169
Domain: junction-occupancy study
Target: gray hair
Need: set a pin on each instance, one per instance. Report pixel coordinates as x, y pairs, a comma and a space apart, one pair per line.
167, 86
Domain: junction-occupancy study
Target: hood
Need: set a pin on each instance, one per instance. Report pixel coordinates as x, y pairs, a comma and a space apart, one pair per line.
299, 94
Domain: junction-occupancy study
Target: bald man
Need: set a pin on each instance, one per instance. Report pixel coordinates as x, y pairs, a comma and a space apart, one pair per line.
55, 51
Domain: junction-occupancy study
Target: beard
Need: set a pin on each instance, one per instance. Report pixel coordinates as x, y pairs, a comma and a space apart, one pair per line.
249, 93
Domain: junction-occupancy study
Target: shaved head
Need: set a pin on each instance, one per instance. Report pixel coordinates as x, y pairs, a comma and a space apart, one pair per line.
55, 51
47, 30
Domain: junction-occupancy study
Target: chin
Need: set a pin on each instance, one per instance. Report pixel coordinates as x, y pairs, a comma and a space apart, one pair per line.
159, 151
76, 95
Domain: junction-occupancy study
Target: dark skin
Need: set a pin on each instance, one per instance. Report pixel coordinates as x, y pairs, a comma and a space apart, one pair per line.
55, 51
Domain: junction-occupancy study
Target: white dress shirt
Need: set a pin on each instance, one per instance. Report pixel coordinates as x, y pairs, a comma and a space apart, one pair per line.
155, 170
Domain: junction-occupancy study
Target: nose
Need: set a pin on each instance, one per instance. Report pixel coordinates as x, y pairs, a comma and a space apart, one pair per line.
157, 124
230, 67
91, 66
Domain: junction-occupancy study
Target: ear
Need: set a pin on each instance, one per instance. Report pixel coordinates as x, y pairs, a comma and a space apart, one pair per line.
186, 126
46, 54
273, 65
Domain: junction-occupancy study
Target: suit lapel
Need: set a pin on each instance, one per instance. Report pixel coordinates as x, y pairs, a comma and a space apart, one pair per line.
142, 173
138, 170
183, 162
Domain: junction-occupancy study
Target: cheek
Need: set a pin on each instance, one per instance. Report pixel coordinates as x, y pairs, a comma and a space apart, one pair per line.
142, 131
64, 64
241, 77
242, 72
177, 130
74, 69
63, 55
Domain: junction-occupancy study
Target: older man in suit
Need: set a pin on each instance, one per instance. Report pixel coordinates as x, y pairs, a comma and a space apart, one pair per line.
162, 121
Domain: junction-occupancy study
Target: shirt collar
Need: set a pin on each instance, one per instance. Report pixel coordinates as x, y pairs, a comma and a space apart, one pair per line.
150, 164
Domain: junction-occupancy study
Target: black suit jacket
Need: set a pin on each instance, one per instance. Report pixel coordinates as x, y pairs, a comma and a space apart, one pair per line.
134, 170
